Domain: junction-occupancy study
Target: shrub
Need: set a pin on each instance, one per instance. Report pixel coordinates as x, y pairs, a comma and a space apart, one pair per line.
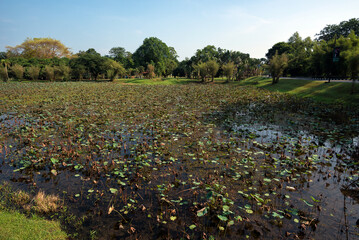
65, 72
21, 198
49, 73
45, 203
18, 71
3, 74
33, 72
150, 71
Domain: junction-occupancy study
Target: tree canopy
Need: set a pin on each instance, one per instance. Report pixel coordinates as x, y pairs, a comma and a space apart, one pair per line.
277, 65
155, 52
91, 61
39, 48
122, 56
342, 29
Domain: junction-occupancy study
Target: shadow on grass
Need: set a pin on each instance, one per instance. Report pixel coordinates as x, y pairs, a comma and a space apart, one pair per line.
318, 90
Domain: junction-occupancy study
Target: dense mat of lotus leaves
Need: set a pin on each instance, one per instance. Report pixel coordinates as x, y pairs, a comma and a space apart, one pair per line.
193, 161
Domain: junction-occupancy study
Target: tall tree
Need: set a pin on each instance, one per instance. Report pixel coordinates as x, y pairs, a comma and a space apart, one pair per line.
280, 47
351, 56
122, 56
342, 29
298, 51
207, 53
39, 48
91, 61
155, 52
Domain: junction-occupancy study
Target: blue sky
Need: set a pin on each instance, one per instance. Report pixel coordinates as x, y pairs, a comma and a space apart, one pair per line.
249, 26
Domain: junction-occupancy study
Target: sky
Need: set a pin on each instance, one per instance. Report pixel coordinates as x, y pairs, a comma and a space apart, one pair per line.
248, 26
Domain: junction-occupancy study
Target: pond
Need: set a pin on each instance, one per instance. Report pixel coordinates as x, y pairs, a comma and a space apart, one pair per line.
171, 162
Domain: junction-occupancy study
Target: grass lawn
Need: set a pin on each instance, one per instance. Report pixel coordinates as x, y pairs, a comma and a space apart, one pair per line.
156, 81
334, 92
16, 226
318, 90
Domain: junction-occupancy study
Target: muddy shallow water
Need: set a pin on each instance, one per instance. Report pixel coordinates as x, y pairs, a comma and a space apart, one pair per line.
169, 162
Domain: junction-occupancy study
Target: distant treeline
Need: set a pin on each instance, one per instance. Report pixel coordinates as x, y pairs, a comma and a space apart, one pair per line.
334, 53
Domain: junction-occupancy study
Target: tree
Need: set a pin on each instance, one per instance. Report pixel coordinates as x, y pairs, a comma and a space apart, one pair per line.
4, 69
155, 52
202, 70
280, 47
18, 71
212, 67
207, 53
170, 67
34, 72
277, 65
228, 70
183, 69
62, 72
351, 55
114, 69
353, 62
299, 55
91, 61
342, 29
49, 73
39, 48
3, 55
77, 69
207, 69
120, 55
298, 51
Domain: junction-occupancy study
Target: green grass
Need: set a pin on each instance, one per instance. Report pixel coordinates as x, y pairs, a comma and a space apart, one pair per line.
334, 92
156, 81
318, 90
16, 226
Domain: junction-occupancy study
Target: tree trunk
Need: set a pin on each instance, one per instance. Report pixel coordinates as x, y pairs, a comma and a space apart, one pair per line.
273, 81
353, 85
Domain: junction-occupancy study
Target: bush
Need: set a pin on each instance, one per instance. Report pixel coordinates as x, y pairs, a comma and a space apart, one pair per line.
3, 74
49, 73
150, 71
18, 71
65, 72
33, 72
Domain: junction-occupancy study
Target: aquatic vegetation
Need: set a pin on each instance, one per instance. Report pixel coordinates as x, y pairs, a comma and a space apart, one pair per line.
190, 161
45, 203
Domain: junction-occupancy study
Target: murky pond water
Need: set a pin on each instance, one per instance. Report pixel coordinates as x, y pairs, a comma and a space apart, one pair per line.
170, 162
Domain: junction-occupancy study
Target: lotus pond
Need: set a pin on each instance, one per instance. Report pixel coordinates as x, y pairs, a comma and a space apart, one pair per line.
189, 161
